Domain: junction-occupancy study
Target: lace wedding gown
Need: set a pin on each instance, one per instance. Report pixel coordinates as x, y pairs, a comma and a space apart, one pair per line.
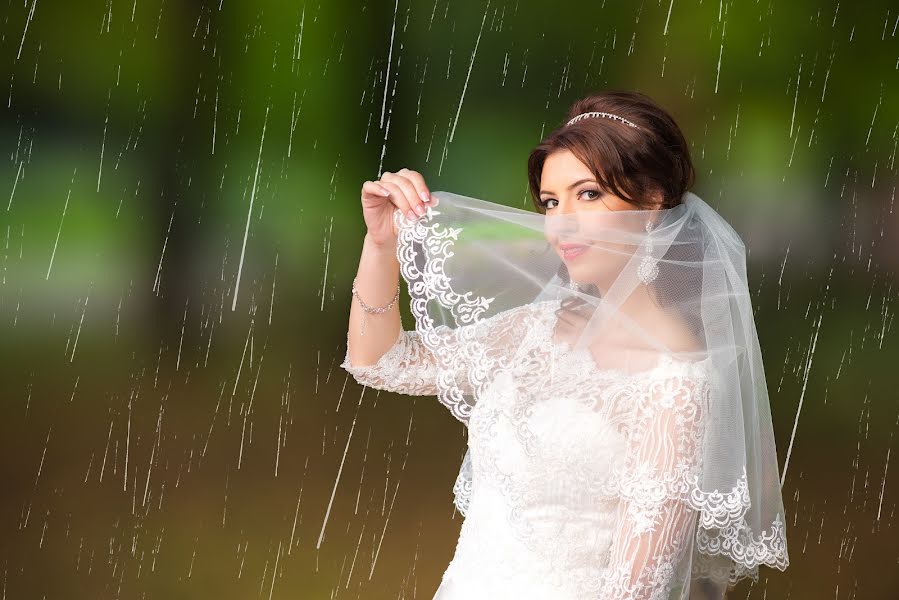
539, 521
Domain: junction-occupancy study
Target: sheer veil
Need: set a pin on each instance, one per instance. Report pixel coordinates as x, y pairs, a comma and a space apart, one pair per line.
652, 289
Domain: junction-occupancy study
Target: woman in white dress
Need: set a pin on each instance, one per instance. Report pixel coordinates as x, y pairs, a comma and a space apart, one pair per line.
601, 352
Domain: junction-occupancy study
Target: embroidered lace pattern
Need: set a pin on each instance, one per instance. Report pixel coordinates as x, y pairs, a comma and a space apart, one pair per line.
595, 490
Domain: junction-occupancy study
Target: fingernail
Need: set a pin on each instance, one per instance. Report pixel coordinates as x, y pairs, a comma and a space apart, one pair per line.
384, 192
420, 210
424, 197
410, 214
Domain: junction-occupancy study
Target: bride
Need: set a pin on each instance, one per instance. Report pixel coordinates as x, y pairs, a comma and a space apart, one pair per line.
601, 352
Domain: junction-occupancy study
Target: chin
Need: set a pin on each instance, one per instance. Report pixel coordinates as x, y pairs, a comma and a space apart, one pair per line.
581, 276
587, 273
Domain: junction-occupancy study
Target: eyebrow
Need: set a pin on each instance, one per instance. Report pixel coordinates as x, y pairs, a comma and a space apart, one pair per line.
578, 182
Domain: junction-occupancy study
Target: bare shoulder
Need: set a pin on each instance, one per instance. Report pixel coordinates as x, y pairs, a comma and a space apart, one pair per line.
677, 335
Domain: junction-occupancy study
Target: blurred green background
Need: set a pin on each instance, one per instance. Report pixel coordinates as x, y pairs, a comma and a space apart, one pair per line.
181, 226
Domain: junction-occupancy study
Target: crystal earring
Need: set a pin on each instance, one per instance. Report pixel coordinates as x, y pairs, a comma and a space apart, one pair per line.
648, 269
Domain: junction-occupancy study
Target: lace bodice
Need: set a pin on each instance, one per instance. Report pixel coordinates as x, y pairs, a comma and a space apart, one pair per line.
576, 491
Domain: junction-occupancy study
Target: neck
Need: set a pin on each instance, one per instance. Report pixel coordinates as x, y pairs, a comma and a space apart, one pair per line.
638, 309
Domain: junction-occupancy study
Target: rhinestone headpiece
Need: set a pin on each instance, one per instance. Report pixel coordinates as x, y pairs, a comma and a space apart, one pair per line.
602, 114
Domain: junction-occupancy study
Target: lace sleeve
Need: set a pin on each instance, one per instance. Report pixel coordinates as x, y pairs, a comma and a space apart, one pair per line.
407, 367
469, 355
653, 533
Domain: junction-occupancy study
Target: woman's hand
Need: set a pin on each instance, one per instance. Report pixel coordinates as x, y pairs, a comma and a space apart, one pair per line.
406, 190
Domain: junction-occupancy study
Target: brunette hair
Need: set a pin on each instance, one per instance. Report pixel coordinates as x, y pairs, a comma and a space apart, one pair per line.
634, 164
638, 165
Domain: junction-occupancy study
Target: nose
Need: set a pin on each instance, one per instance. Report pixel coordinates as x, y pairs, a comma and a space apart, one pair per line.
567, 224
562, 222
561, 226
568, 217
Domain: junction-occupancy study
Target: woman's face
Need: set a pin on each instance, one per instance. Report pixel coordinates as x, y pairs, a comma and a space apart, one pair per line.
569, 190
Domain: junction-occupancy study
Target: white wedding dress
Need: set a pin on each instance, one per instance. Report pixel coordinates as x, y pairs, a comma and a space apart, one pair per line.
531, 529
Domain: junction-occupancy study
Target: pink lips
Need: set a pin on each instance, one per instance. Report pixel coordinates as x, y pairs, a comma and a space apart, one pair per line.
570, 251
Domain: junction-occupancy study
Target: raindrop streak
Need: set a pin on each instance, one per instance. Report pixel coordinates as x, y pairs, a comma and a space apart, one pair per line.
14, 184
321, 535
474, 53
246, 232
27, 23
59, 230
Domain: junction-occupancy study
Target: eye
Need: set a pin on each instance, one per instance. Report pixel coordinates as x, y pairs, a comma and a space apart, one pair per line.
596, 194
544, 203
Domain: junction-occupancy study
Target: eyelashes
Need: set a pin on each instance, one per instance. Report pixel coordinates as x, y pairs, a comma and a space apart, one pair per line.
597, 195
543, 203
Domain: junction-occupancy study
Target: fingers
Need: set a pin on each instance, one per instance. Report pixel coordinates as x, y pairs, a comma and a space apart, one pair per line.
399, 198
408, 191
418, 181
371, 188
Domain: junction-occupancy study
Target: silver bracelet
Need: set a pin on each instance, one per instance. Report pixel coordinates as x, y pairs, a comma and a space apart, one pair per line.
372, 309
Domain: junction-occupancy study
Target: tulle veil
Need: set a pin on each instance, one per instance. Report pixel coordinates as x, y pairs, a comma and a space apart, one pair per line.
641, 288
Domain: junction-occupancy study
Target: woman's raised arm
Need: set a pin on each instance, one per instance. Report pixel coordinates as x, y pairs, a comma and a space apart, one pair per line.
379, 353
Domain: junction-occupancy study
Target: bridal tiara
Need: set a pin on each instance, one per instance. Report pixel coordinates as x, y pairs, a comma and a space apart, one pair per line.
602, 114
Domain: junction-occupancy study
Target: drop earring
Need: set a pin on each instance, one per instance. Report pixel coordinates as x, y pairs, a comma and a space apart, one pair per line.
648, 269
